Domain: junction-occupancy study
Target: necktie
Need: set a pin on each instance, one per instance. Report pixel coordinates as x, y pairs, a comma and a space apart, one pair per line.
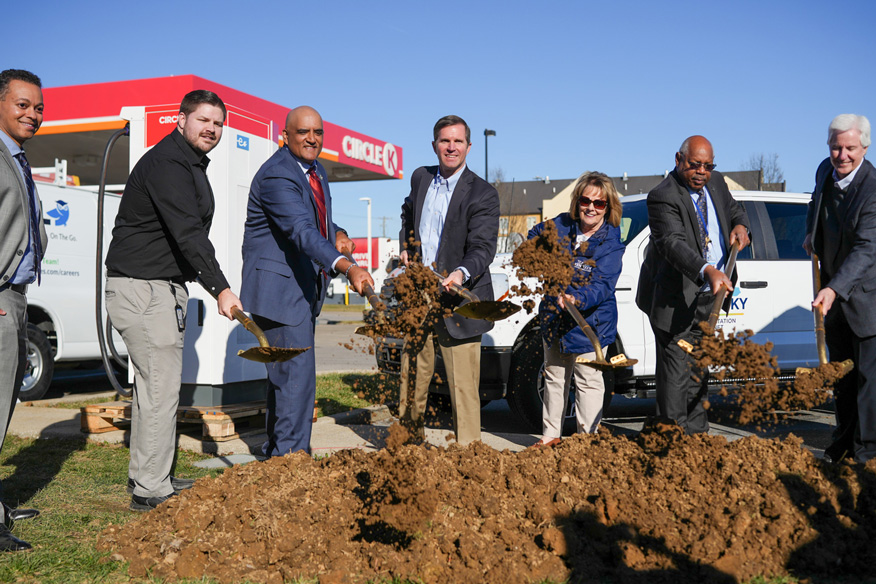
319, 197
34, 219
703, 219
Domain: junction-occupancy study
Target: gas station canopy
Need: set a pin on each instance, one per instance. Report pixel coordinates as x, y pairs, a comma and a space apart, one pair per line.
79, 120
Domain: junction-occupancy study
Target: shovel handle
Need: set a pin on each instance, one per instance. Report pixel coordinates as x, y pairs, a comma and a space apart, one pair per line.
251, 326
579, 320
820, 341
457, 289
719, 297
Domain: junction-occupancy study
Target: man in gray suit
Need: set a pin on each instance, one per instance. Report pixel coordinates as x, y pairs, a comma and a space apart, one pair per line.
841, 229
21, 251
694, 221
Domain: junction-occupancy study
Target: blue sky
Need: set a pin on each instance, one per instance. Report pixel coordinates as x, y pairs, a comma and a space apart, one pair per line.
567, 86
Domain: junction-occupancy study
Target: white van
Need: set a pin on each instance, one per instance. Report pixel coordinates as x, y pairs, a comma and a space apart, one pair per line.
772, 298
60, 311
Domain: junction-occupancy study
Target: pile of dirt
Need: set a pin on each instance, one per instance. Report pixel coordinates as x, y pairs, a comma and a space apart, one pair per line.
753, 369
660, 507
546, 258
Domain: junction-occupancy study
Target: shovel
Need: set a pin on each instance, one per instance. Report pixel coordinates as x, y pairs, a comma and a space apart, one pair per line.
477, 309
719, 298
820, 343
617, 362
264, 353
373, 300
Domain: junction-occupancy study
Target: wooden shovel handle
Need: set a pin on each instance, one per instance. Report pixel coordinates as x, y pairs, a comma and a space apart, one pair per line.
719, 297
579, 320
251, 326
457, 289
820, 340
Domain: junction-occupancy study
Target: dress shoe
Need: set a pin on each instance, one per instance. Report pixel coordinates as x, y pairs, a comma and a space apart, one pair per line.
177, 483
546, 443
10, 543
835, 455
148, 503
10, 516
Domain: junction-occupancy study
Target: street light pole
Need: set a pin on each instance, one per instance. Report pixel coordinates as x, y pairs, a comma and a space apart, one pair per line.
487, 133
370, 262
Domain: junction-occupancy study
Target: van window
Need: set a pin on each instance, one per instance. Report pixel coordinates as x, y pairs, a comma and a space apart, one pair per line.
634, 220
789, 225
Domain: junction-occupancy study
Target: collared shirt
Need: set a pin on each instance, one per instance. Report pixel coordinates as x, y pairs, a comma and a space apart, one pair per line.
305, 168
25, 273
715, 245
161, 230
843, 183
434, 213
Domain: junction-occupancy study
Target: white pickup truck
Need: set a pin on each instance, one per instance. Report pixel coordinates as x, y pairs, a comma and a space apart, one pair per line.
772, 298
60, 311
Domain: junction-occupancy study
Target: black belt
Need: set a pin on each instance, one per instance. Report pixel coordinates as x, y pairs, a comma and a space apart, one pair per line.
20, 288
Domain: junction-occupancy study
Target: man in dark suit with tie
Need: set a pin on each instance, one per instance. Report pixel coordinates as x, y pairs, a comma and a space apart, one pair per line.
22, 245
841, 230
693, 221
290, 246
450, 220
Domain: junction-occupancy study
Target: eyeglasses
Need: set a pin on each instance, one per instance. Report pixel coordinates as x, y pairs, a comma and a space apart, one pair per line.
709, 166
598, 204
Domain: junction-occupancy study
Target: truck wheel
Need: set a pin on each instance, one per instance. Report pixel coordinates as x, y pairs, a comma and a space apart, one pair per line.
40, 366
527, 369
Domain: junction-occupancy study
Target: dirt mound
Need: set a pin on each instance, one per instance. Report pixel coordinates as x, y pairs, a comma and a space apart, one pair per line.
760, 394
659, 507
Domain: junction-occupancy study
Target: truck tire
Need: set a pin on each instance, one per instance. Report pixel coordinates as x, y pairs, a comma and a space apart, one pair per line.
40, 366
526, 386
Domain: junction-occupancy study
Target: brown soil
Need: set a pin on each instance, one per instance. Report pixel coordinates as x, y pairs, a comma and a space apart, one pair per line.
546, 258
762, 397
661, 507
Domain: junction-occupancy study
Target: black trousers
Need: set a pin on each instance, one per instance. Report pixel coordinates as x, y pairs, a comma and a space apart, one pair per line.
681, 387
854, 394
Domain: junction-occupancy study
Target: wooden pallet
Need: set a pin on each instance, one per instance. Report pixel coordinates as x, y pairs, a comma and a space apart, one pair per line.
218, 423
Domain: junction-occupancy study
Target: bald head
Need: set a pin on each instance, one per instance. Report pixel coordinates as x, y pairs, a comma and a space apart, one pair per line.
694, 162
303, 133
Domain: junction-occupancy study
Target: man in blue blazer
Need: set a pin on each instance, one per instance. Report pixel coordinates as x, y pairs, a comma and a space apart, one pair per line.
290, 248
841, 229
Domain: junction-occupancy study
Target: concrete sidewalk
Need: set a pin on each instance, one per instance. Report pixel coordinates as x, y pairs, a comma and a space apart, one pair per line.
365, 429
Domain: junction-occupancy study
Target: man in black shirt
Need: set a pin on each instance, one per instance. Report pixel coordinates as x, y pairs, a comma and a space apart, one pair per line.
160, 242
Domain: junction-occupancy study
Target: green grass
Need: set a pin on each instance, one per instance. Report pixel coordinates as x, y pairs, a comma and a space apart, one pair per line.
79, 404
340, 392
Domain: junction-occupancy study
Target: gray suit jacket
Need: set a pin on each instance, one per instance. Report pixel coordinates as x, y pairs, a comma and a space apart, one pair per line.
669, 280
14, 218
469, 239
854, 281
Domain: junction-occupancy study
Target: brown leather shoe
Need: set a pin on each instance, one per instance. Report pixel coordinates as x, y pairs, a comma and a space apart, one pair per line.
551, 442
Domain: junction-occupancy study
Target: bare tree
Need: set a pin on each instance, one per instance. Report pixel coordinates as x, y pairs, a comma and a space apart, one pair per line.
768, 164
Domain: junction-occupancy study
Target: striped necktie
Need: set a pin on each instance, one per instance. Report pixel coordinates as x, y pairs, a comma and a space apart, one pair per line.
34, 219
703, 219
319, 197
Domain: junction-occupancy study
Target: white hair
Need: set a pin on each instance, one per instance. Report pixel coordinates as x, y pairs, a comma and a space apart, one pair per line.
845, 122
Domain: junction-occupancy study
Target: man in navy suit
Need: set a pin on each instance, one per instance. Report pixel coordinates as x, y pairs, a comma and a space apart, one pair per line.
841, 229
450, 221
290, 248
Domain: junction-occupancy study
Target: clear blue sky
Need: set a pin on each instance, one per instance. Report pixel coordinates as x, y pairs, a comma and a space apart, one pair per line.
567, 86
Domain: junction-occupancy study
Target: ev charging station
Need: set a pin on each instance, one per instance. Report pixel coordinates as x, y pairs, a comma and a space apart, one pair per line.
86, 115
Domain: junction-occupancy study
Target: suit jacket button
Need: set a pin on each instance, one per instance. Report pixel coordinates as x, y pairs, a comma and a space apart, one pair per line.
20, 252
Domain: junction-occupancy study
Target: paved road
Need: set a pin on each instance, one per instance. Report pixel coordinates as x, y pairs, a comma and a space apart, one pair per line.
335, 335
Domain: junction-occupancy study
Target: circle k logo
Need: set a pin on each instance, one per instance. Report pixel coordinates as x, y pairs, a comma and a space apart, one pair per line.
390, 159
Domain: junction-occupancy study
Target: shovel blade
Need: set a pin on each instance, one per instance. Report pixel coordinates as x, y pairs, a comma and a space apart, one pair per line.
487, 310
366, 330
617, 362
270, 354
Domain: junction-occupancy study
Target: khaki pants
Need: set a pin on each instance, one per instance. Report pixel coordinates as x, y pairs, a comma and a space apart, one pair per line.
590, 389
143, 311
462, 361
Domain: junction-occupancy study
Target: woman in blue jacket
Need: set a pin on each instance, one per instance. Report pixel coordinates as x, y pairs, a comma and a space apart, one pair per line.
592, 228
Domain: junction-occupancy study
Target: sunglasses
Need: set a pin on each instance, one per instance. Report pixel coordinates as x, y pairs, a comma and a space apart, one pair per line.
598, 204
709, 166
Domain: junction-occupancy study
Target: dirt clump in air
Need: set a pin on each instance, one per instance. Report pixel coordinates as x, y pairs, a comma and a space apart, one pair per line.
659, 507
753, 372
546, 258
